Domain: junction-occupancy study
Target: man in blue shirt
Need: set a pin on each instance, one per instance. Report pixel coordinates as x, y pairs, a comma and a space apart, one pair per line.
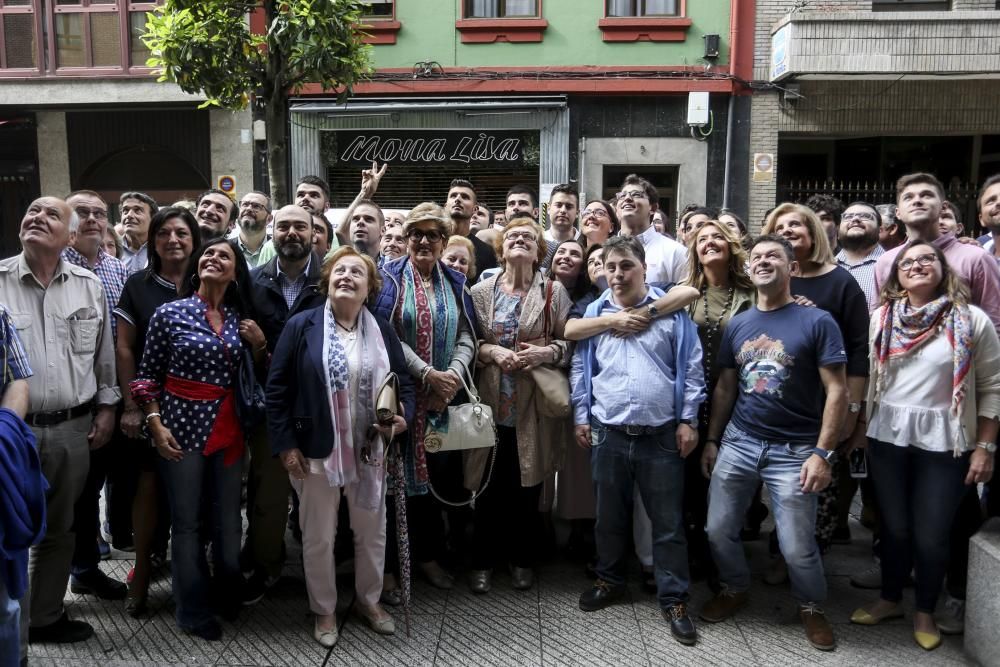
635, 399
781, 398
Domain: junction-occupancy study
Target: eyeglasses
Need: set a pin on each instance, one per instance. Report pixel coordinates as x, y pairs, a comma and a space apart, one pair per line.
523, 236
922, 260
632, 194
860, 215
97, 214
597, 213
252, 205
431, 235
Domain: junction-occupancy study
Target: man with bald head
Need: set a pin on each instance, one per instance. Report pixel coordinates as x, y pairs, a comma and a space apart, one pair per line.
62, 318
284, 286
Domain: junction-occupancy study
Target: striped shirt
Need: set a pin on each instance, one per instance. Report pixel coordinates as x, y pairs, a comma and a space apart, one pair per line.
112, 273
15, 359
864, 273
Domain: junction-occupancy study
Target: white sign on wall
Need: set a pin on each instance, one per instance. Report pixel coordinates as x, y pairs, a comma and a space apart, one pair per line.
779, 51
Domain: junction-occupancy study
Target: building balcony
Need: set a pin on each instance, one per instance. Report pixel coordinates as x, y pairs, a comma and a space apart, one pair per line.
885, 45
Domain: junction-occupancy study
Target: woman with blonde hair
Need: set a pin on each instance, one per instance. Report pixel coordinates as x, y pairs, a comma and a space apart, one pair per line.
933, 405
431, 310
460, 255
513, 308
832, 288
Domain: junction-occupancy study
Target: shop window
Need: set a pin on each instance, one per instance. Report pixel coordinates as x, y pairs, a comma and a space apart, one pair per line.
379, 24
622, 8
488, 21
644, 21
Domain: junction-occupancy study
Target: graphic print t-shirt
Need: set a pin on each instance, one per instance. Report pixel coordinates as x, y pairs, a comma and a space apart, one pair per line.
777, 355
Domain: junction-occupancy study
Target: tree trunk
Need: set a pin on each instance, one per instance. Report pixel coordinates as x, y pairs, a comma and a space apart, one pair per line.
276, 123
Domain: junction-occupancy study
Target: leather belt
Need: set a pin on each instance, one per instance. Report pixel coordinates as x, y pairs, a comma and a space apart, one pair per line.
54, 417
634, 429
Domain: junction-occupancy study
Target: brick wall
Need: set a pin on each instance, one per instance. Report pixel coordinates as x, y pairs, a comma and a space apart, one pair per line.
866, 108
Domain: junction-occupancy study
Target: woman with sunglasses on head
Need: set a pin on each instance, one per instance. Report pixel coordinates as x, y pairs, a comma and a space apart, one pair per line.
431, 310
933, 405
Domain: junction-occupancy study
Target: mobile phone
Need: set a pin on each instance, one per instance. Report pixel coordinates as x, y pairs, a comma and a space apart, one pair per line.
859, 464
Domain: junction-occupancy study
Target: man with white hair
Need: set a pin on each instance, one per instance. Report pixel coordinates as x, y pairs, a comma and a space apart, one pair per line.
62, 318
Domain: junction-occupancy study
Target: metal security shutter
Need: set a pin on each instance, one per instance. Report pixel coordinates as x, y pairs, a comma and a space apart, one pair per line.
405, 186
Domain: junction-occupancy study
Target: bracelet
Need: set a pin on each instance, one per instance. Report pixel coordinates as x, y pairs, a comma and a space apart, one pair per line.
424, 373
261, 348
557, 353
151, 415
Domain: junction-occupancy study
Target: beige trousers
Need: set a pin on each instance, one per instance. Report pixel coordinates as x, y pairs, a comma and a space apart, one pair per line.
318, 506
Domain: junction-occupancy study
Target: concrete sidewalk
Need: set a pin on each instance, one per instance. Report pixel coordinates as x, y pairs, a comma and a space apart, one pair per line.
505, 627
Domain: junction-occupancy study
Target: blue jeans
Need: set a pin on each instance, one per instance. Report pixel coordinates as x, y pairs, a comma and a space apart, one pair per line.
10, 629
189, 483
743, 462
620, 463
919, 494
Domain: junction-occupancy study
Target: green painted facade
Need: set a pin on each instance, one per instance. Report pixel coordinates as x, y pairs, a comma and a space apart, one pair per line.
572, 38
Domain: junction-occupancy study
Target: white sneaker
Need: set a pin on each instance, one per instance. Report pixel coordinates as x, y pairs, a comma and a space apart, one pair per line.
951, 619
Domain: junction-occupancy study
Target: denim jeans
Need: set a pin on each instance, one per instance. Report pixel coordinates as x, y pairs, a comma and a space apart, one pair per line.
10, 631
621, 463
919, 494
189, 482
743, 462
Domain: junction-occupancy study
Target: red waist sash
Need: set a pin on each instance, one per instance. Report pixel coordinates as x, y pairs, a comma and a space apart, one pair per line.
226, 434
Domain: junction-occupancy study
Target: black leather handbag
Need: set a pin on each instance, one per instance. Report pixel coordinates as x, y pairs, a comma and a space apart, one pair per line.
249, 394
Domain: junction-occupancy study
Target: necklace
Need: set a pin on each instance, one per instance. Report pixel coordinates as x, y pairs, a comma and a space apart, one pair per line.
712, 328
351, 333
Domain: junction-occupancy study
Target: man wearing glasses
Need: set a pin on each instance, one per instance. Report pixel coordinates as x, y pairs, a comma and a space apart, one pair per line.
666, 259
859, 248
254, 214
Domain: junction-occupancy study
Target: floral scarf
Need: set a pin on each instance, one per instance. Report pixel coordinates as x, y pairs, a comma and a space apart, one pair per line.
903, 329
341, 466
430, 331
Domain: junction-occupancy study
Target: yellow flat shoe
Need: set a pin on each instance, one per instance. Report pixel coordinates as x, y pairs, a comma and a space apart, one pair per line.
861, 616
927, 640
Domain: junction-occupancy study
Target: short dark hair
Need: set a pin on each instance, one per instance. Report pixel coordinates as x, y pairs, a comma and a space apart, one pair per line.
267, 198
327, 223
162, 217
651, 194
369, 202
237, 294
954, 209
774, 238
919, 177
988, 183
627, 244
566, 189
489, 213
867, 204
521, 189
615, 224
141, 196
462, 183
317, 181
707, 211
217, 191
827, 203
735, 216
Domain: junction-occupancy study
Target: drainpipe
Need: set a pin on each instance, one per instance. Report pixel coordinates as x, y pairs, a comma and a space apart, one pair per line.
741, 24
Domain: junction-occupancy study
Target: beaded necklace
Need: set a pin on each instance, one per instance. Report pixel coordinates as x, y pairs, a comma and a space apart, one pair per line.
711, 328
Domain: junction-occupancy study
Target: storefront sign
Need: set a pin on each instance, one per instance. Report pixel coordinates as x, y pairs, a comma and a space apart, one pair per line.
429, 147
779, 51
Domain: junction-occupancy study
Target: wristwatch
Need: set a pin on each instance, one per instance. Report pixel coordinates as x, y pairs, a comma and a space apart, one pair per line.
652, 311
990, 447
828, 455
854, 408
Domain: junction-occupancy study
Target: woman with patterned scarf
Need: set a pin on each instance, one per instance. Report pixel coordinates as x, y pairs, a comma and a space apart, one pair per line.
430, 308
325, 375
933, 404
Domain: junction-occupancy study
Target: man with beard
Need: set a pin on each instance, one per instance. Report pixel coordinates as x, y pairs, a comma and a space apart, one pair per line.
251, 236
284, 286
215, 213
520, 199
461, 205
989, 215
859, 247
137, 210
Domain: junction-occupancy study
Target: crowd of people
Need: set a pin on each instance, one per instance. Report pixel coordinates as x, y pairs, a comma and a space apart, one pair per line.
644, 390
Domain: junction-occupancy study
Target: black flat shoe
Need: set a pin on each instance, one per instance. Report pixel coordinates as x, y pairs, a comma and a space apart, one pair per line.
601, 595
681, 625
99, 584
210, 631
63, 631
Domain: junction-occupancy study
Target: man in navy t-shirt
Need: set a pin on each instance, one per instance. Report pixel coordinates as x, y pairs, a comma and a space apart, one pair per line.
781, 398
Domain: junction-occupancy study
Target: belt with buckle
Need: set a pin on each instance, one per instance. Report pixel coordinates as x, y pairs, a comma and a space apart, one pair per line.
635, 430
54, 417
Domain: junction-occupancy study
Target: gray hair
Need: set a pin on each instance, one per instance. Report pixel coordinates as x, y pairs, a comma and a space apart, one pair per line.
74, 221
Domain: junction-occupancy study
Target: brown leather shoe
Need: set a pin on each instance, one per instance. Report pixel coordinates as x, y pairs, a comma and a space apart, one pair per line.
818, 630
722, 606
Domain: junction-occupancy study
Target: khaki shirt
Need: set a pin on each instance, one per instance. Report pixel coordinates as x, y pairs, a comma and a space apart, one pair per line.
67, 333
